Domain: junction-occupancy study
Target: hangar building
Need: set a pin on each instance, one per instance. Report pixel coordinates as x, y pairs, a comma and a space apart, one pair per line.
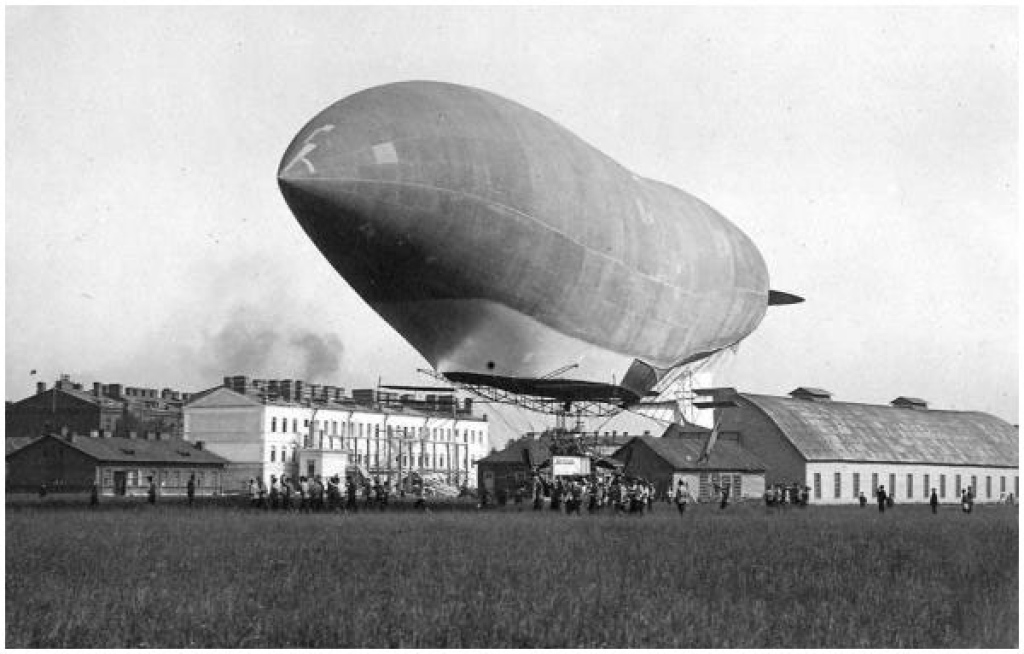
840, 449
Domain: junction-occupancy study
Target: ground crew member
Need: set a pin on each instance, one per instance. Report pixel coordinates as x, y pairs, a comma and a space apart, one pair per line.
934, 502
881, 499
190, 489
350, 494
152, 491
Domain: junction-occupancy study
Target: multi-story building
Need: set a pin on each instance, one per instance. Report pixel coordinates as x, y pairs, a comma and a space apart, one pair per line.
274, 427
106, 410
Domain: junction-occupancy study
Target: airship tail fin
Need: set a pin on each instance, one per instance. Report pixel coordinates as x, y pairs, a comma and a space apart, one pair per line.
776, 298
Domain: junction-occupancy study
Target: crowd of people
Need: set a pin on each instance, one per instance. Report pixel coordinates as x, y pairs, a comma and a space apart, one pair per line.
311, 494
617, 493
784, 494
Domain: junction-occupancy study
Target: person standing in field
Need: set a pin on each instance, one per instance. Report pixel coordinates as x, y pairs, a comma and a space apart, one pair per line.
151, 494
303, 494
934, 502
418, 492
367, 491
863, 500
881, 499
286, 493
190, 489
970, 499
275, 493
254, 494
682, 493
350, 495
94, 495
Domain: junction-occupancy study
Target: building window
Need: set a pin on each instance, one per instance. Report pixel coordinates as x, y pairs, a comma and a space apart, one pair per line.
273, 424
305, 424
1002, 484
295, 425
334, 427
974, 490
957, 491
910, 486
892, 485
874, 484
925, 487
817, 485
942, 486
273, 454
856, 485
988, 487
838, 485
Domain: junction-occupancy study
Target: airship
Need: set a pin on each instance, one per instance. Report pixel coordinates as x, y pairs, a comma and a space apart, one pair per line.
510, 253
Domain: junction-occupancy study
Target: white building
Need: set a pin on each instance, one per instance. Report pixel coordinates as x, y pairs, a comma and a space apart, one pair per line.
387, 438
843, 449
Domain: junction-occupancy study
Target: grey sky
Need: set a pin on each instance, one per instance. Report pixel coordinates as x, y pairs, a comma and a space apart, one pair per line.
870, 153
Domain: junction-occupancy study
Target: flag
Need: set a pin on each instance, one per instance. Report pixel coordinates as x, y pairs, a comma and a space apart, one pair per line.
33, 371
705, 456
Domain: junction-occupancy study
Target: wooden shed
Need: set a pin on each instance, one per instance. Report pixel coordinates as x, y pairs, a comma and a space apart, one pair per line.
667, 461
120, 465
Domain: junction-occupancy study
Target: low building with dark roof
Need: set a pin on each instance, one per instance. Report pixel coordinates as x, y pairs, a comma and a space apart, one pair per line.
843, 449
120, 466
667, 461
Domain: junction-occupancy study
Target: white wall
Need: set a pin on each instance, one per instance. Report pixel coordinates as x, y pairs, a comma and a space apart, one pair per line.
251, 435
919, 494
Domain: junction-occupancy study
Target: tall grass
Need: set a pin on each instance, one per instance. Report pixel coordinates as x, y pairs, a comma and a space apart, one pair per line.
168, 576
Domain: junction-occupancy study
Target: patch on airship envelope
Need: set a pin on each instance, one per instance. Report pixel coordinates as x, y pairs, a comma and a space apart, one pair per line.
384, 153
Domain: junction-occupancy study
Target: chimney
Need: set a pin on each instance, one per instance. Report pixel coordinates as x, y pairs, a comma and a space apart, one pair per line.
913, 403
40, 387
200, 445
811, 394
97, 389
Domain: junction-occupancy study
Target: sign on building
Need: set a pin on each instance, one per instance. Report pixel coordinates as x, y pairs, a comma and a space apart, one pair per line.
570, 465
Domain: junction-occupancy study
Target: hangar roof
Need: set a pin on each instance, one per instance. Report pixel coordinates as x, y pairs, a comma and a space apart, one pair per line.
683, 453
846, 431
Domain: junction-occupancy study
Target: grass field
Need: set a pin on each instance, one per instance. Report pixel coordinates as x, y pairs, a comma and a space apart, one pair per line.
131, 575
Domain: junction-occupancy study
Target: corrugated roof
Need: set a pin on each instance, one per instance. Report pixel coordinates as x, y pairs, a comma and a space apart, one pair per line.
540, 451
845, 431
147, 452
683, 453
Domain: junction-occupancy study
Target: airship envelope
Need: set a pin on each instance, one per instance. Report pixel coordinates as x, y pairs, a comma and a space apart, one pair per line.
512, 254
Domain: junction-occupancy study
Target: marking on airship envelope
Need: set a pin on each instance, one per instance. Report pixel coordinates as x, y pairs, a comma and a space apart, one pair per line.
307, 147
384, 153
